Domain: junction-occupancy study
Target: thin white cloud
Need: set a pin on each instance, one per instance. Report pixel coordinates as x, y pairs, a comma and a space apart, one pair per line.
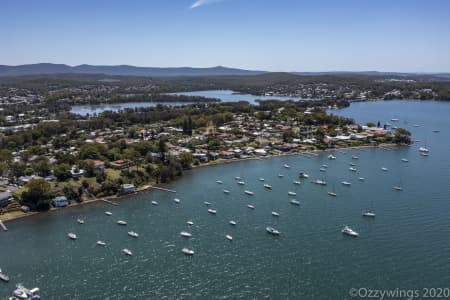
199, 3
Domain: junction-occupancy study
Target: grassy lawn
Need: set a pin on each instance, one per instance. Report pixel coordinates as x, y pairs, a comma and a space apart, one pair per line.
11, 214
112, 174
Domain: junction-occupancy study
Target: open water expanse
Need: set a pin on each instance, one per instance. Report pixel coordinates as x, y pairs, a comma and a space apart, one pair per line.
405, 246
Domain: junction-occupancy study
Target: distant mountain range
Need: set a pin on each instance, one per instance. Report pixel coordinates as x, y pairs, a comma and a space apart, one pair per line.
126, 70
48, 68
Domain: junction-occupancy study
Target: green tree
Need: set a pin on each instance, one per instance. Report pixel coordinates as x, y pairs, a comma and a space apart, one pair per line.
37, 194
186, 160
62, 172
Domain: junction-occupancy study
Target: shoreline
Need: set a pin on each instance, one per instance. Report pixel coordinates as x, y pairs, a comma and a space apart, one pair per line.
148, 188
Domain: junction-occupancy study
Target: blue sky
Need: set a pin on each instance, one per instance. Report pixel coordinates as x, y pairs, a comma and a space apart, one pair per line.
275, 35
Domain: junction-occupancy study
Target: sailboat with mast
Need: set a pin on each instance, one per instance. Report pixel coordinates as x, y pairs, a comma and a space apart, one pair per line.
369, 213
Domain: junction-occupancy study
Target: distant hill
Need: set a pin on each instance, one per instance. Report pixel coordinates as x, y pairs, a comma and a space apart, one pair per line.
125, 70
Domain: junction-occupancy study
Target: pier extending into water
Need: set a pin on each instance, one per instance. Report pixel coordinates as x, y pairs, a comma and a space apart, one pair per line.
2, 225
163, 189
110, 202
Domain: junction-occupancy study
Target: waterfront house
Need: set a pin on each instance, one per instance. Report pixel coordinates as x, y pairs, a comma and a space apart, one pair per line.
99, 165
121, 164
128, 188
76, 172
60, 201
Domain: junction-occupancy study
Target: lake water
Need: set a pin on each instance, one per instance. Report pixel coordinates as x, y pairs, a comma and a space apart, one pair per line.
231, 96
85, 110
406, 246
224, 95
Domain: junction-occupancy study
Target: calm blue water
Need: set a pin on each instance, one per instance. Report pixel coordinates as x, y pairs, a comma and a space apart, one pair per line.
231, 96
224, 95
406, 246
84, 110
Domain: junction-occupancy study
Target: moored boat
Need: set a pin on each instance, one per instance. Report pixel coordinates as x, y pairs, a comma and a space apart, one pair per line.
229, 237
212, 211
250, 206
250, 193
292, 193
275, 214
369, 214
268, 186
108, 213
185, 234
133, 234
348, 231
272, 230
3, 276
72, 236
101, 243
233, 222
187, 251
127, 252
176, 200
121, 222
294, 202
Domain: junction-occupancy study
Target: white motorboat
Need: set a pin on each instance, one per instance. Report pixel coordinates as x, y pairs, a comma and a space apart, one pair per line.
272, 230
353, 169
250, 193
219, 181
348, 231
133, 234
424, 149
286, 166
22, 292
207, 203
121, 222
268, 186
384, 169
237, 178
250, 206
108, 213
212, 211
261, 179
296, 182
127, 252
405, 160
325, 166
361, 179
369, 214
190, 223
294, 202
72, 236
398, 188
233, 222
331, 156
101, 243
229, 237
185, 234
154, 203
241, 182
176, 200
346, 183
352, 164
333, 194
3, 276
323, 169
280, 175
355, 157
424, 153
275, 214
226, 191
292, 193
80, 221
187, 251
320, 182
303, 175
